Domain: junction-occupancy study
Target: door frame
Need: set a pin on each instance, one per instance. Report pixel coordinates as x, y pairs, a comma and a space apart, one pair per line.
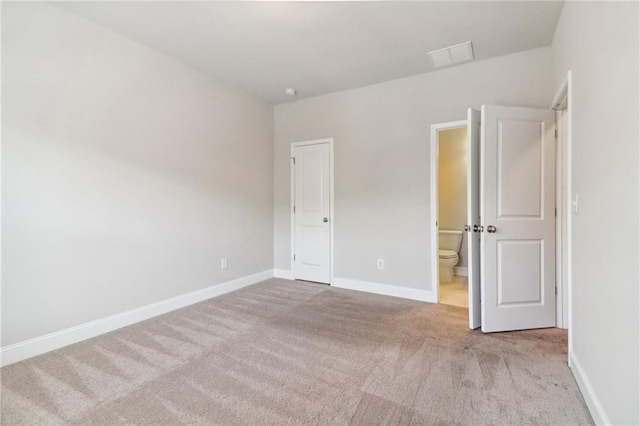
563, 101
294, 145
434, 225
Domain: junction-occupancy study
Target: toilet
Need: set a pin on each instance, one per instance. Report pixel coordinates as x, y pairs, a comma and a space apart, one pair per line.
449, 245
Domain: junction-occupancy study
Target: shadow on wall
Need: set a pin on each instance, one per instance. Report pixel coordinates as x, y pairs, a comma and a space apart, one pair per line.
127, 175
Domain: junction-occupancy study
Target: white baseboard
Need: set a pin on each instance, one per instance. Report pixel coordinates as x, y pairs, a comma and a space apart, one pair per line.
384, 289
600, 417
461, 271
286, 274
39, 345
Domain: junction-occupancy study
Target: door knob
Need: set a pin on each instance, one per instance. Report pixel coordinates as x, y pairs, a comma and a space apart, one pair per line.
491, 229
325, 220
467, 228
478, 228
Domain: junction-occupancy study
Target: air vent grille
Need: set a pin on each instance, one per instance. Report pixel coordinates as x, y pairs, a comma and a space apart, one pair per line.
452, 55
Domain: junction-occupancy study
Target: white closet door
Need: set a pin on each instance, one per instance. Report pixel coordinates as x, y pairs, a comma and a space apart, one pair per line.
312, 198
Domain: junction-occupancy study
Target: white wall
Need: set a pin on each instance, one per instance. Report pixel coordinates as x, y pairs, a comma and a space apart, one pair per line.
126, 175
598, 42
452, 184
382, 158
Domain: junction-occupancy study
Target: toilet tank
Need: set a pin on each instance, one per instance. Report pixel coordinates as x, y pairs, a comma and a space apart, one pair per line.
450, 240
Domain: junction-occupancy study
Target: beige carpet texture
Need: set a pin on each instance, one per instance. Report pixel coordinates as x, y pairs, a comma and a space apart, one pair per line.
293, 353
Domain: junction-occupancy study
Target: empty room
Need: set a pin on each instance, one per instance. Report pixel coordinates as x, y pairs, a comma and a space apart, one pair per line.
301, 213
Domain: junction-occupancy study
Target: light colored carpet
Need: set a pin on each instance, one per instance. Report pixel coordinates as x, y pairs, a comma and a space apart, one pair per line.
455, 293
283, 352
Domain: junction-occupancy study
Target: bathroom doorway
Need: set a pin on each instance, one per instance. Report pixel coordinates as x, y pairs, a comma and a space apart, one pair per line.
483, 189
450, 185
452, 217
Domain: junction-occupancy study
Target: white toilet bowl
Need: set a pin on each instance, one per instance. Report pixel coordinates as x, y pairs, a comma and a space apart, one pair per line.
450, 242
447, 259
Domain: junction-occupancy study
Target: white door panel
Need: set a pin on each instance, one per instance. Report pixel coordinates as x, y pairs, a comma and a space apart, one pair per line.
312, 232
518, 259
518, 199
473, 215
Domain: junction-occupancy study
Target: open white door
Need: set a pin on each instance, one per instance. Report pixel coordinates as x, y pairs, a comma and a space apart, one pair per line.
473, 215
517, 204
312, 208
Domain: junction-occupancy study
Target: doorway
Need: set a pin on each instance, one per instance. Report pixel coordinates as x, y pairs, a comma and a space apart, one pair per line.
449, 213
312, 210
512, 186
452, 216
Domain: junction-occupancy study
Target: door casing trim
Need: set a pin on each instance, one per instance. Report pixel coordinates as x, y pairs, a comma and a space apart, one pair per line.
561, 101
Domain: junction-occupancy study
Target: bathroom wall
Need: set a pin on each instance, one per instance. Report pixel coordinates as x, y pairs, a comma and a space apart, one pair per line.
126, 175
452, 184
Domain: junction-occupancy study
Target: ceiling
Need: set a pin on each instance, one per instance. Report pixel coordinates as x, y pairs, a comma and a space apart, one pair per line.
322, 47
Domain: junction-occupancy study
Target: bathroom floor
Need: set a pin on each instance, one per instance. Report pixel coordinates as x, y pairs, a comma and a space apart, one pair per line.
455, 293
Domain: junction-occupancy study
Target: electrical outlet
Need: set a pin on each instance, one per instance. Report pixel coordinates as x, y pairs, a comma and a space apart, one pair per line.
224, 263
380, 263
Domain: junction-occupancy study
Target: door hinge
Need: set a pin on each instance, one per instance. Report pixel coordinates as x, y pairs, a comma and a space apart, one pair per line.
556, 133
294, 160
555, 211
294, 257
294, 209
556, 289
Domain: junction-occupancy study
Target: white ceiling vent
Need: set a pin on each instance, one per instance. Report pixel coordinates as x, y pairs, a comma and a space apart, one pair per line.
451, 55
